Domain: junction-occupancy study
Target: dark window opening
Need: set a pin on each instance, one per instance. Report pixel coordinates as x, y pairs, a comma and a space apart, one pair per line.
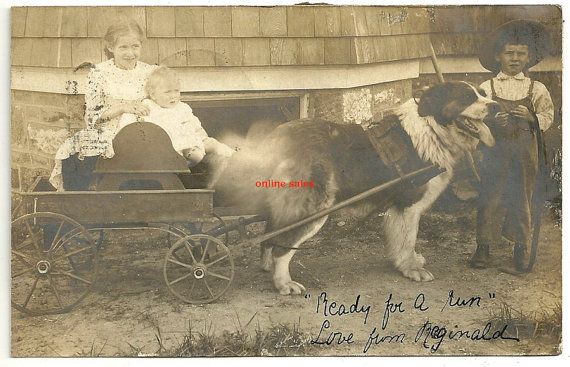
223, 118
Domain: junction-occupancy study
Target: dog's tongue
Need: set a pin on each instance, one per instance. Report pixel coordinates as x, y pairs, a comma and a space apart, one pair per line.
482, 133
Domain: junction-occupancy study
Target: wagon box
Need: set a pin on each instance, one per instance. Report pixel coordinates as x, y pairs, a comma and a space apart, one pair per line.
122, 207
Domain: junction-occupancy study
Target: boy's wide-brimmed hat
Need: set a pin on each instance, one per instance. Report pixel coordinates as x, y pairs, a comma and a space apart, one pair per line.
520, 31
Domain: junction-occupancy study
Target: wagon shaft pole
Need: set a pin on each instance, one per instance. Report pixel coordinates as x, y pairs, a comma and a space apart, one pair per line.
435, 63
363, 195
439, 73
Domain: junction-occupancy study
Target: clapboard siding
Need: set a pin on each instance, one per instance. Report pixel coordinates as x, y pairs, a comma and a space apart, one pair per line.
273, 22
279, 35
200, 52
189, 22
218, 22
337, 51
86, 50
256, 52
43, 22
300, 21
160, 22
150, 51
172, 51
327, 21
18, 21
228, 51
74, 22
245, 22
100, 18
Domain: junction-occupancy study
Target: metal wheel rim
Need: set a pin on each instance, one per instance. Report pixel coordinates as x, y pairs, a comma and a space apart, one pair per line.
198, 270
51, 267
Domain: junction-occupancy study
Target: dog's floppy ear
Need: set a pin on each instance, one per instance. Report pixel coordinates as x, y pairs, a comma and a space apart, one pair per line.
434, 102
451, 110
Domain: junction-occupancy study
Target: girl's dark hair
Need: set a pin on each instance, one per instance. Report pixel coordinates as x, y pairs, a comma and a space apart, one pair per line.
120, 28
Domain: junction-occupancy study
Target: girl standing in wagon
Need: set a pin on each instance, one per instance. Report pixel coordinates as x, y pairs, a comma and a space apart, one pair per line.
114, 87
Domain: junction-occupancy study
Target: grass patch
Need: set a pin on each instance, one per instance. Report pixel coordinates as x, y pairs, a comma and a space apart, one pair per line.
244, 341
544, 323
278, 340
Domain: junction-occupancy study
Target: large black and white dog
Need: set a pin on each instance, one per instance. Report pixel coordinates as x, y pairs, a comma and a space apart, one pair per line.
446, 122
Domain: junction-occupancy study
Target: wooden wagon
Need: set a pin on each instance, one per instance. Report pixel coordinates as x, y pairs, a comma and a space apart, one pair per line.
56, 242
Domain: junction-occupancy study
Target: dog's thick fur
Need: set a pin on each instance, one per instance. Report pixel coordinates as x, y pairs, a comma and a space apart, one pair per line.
340, 160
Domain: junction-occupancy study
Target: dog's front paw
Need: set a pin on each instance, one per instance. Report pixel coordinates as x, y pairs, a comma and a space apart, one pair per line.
418, 275
290, 287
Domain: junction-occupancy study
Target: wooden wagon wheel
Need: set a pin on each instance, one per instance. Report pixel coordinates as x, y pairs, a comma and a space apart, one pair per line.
214, 228
53, 263
201, 278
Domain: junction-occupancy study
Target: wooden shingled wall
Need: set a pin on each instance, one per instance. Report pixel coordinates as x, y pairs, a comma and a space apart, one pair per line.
248, 36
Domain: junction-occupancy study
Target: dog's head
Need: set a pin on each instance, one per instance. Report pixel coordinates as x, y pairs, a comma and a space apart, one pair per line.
461, 104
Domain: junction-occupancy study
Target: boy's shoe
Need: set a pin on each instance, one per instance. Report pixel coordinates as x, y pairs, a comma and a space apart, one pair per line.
518, 266
481, 259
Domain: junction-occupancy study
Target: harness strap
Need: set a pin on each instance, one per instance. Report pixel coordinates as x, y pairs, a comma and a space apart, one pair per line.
529, 93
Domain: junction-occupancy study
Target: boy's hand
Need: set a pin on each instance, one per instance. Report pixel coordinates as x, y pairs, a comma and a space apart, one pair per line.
523, 112
502, 118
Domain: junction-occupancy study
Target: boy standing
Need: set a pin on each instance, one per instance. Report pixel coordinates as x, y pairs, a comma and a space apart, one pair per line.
510, 169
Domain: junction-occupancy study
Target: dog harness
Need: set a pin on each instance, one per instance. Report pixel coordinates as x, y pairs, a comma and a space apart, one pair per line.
396, 150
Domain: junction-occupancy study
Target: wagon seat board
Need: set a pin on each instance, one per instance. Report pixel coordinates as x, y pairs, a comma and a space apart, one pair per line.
143, 153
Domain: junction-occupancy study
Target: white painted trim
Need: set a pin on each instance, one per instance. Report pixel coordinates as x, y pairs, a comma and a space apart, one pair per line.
304, 106
457, 65
223, 79
276, 78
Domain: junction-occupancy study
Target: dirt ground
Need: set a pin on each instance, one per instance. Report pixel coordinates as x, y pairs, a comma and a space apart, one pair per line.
131, 307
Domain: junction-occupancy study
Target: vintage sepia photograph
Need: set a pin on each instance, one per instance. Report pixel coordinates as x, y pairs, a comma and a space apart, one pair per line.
300, 180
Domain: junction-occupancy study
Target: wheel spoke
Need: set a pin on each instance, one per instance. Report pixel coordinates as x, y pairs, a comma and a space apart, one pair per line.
205, 251
72, 276
187, 245
26, 242
31, 291
181, 278
52, 285
208, 286
22, 257
53, 242
216, 261
218, 275
32, 236
197, 287
74, 252
180, 263
23, 272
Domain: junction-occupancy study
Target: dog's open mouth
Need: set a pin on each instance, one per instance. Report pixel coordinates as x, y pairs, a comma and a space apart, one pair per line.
476, 129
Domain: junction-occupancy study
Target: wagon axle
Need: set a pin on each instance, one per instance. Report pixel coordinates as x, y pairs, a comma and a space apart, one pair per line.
199, 272
43, 266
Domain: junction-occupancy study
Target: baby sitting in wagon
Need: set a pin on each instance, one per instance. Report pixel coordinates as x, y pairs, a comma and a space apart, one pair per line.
166, 110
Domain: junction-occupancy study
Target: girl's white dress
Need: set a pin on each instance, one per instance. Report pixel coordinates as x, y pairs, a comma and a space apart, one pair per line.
106, 83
